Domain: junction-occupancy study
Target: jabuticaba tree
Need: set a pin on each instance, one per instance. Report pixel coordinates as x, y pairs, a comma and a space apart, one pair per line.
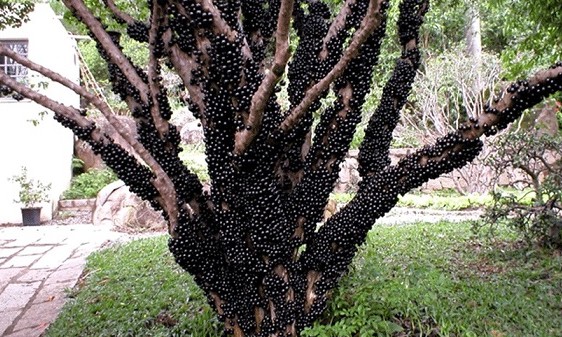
252, 242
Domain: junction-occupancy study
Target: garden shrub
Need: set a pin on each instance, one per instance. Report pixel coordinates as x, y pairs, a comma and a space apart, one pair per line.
88, 185
537, 157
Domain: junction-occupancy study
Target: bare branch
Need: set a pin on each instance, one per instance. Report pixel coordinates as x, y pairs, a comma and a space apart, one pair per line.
502, 111
265, 90
63, 110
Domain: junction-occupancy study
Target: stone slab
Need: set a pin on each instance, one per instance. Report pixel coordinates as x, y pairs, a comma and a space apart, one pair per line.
7, 252
6, 319
34, 250
52, 239
6, 276
20, 261
17, 295
54, 257
32, 275
74, 262
29, 332
64, 275
53, 291
19, 236
41, 314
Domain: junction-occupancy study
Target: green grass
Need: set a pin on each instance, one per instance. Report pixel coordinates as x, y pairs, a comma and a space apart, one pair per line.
438, 280
414, 280
136, 290
445, 202
447, 199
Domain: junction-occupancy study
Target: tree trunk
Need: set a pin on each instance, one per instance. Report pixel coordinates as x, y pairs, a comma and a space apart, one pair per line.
474, 43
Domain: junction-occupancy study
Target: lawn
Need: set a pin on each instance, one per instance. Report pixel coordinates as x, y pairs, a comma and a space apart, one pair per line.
414, 280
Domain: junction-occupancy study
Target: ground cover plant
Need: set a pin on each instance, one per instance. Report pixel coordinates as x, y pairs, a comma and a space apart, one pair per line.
429, 279
88, 184
251, 240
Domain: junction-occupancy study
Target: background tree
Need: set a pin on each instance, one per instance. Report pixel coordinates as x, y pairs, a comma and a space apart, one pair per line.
252, 242
13, 13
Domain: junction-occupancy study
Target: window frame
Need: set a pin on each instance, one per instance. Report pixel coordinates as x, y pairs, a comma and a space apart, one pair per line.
21, 46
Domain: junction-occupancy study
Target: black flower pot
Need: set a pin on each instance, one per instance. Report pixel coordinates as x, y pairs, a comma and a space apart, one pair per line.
31, 216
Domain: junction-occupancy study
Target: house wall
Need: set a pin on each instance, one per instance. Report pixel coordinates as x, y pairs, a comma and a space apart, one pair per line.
46, 148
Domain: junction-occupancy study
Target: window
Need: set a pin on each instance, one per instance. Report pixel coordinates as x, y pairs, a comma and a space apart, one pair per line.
9, 66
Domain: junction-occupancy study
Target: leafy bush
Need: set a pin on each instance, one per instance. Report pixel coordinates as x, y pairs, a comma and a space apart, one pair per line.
537, 157
88, 185
31, 191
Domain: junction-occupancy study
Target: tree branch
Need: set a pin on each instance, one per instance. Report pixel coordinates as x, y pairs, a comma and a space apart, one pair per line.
65, 111
337, 241
265, 90
337, 25
374, 149
156, 48
333, 135
162, 183
371, 20
114, 53
118, 14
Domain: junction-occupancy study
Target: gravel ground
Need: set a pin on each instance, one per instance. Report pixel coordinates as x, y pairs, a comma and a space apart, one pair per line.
70, 218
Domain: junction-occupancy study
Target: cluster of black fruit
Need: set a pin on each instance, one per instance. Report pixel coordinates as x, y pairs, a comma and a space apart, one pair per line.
5, 91
373, 153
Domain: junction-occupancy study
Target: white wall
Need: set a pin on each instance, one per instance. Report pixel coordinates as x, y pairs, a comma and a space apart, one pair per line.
46, 149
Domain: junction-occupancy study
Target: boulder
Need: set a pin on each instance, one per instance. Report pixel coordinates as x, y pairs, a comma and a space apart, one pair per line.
118, 207
192, 132
348, 175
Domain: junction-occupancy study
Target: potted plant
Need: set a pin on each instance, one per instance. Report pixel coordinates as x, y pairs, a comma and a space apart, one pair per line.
31, 193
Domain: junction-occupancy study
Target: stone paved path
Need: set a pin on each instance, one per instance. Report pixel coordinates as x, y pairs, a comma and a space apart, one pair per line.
37, 264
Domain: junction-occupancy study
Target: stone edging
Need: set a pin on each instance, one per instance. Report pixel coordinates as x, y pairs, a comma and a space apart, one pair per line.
77, 204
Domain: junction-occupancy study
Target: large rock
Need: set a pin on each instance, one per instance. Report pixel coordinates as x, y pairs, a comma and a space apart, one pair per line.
118, 207
192, 132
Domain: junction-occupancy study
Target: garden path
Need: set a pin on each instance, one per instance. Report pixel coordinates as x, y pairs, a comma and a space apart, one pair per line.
37, 264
